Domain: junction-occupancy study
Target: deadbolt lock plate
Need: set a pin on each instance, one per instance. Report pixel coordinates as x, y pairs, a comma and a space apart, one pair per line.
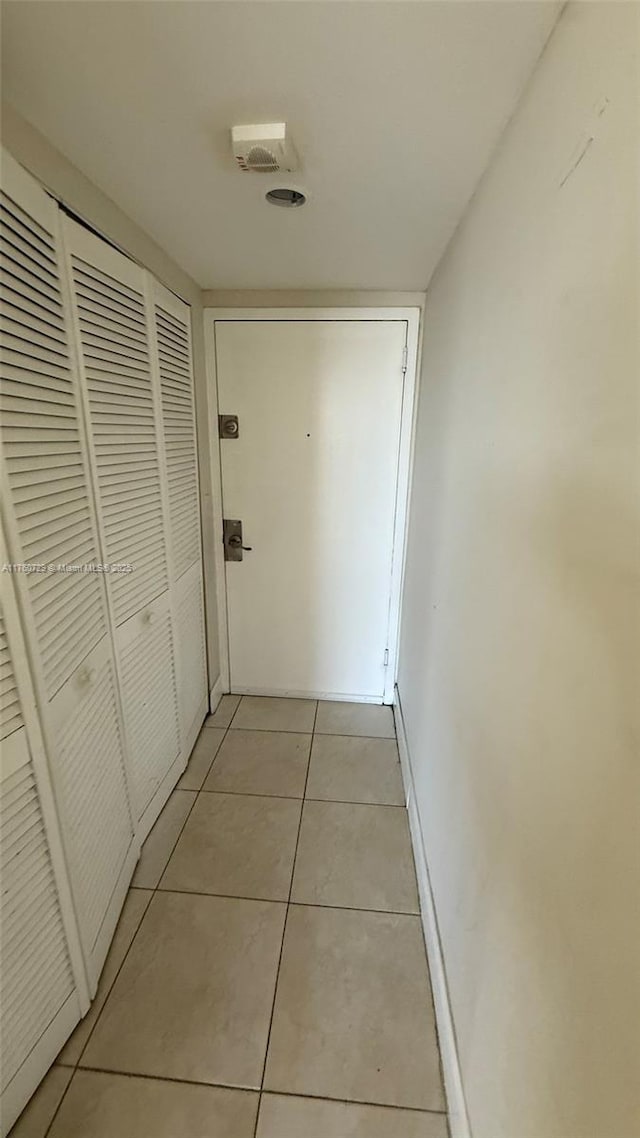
228, 426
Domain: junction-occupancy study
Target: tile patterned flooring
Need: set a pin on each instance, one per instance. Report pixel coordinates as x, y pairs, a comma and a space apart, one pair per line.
268, 977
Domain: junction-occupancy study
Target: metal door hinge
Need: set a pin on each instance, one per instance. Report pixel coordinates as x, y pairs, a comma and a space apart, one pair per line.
405, 358
228, 426
386, 657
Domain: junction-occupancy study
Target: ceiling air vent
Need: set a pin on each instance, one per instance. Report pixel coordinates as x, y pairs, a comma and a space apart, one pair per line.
264, 148
259, 158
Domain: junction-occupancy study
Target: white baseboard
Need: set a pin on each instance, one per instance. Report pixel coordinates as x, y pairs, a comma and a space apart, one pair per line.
216, 693
457, 1108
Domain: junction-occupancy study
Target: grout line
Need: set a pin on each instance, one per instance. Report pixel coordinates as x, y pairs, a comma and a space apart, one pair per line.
235, 712
274, 730
354, 1101
170, 1079
284, 927
356, 802
251, 794
62, 1098
356, 735
196, 795
222, 726
255, 1090
210, 767
317, 734
197, 790
300, 798
254, 794
369, 738
301, 731
289, 903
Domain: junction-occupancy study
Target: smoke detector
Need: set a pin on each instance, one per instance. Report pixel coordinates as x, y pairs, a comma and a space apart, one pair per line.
264, 148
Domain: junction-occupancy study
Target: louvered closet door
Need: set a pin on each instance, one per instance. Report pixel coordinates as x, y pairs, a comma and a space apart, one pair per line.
149, 685
172, 325
110, 307
40, 1002
51, 525
192, 649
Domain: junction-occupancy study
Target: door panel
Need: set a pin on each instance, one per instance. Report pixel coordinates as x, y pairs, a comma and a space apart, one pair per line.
118, 361
42, 982
111, 312
313, 477
37, 977
147, 667
92, 795
191, 651
171, 320
45, 466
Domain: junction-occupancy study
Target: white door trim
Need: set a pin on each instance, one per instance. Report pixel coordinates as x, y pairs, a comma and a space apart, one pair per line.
409, 316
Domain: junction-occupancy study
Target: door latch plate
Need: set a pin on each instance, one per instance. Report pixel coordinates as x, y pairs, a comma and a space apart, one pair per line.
232, 538
228, 426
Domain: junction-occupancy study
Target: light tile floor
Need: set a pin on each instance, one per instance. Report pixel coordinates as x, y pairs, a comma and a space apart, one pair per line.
268, 977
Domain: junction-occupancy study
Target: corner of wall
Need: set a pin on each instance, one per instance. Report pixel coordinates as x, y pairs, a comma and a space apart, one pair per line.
459, 1126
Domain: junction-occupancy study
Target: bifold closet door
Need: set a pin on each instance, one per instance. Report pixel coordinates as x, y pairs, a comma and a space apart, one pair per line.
110, 305
40, 996
50, 525
43, 983
172, 329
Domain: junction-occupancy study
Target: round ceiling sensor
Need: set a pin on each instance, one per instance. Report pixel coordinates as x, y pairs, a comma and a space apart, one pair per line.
285, 197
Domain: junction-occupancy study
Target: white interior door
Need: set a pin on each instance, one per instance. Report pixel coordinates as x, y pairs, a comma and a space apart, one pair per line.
312, 476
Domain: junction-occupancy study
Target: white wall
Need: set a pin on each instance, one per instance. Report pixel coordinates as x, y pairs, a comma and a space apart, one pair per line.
70, 186
520, 645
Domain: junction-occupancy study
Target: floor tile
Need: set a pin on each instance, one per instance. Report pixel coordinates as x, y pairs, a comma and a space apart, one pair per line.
201, 758
355, 856
286, 1116
261, 762
157, 848
353, 1016
100, 1105
345, 768
224, 712
239, 845
37, 1114
264, 713
130, 917
335, 718
193, 998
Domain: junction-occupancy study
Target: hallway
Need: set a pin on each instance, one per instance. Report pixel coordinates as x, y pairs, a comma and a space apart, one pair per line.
319, 381
270, 941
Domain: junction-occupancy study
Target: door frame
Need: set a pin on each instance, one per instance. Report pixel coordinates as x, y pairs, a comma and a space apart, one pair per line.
410, 316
